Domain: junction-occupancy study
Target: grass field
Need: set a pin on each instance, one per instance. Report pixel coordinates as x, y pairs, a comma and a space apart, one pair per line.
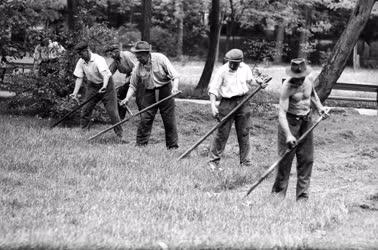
60, 192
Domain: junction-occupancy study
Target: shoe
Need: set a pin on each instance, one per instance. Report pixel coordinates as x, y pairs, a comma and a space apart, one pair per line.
214, 167
172, 147
122, 140
246, 164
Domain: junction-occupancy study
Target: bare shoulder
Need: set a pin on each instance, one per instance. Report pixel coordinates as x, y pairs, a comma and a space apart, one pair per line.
285, 88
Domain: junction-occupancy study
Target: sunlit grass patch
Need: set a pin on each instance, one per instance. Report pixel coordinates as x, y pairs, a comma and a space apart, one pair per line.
58, 190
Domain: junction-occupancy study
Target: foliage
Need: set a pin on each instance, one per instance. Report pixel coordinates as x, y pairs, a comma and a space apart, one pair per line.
261, 49
163, 41
46, 96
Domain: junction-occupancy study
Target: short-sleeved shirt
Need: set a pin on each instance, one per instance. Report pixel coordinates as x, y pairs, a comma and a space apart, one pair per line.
94, 70
157, 73
126, 63
227, 83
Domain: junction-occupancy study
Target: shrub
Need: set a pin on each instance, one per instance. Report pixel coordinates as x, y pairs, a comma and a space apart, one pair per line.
163, 41
46, 96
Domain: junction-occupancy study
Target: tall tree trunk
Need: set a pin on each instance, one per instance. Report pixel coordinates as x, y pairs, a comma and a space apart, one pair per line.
213, 40
71, 6
279, 43
304, 36
356, 57
146, 34
230, 27
343, 48
218, 40
180, 27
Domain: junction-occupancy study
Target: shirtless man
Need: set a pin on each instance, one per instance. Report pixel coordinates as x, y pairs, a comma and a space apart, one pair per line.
297, 97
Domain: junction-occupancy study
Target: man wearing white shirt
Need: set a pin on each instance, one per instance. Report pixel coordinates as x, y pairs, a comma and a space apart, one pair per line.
231, 83
99, 83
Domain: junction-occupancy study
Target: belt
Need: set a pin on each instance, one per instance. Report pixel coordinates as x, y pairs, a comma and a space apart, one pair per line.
157, 91
299, 117
234, 97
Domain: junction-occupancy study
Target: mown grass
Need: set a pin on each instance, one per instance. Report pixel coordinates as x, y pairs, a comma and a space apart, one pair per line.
59, 191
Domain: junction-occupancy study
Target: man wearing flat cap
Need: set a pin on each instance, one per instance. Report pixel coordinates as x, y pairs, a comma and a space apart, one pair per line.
99, 84
157, 76
297, 98
231, 83
124, 62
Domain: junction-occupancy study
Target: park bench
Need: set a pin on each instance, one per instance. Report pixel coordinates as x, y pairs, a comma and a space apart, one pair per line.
359, 87
12, 67
355, 87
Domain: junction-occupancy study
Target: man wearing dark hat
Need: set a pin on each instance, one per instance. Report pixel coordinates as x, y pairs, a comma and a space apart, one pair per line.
124, 62
231, 83
99, 84
296, 99
157, 76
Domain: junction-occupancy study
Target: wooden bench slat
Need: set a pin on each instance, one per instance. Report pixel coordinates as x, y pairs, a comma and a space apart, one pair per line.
358, 99
367, 87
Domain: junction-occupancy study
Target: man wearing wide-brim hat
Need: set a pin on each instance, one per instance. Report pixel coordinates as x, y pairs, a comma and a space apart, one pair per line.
99, 85
297, 97
156, 75
231, 83
123, 61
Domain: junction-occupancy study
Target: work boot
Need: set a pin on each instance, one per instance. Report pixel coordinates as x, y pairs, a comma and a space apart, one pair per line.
246, 164
214, 166
121, 140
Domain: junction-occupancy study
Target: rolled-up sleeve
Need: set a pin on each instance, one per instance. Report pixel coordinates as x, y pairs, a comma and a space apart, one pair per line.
103, 67
134, 78
215, 83
170, 70
79, 72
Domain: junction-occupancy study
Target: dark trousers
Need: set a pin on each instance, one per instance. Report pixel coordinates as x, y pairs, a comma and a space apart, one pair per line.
121, 94
167, 112
109, 99
304, 153
242, 124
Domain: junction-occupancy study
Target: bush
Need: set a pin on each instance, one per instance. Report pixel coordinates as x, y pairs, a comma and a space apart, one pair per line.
163, 41
46, 96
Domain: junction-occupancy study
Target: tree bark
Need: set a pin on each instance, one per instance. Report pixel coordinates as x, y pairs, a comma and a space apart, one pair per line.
213, 41
303, 41
146, 34
279, 43
343, 48
356, 58
180, 27
71, 15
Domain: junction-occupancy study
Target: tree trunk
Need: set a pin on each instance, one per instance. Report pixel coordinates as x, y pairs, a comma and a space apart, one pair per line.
219, 31
230, 27
343, 48
303, 41
71, 15
180, 27
356, 58
213, 41
279, 43
146, 35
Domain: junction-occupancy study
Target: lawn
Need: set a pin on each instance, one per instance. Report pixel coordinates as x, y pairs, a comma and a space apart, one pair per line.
60, 192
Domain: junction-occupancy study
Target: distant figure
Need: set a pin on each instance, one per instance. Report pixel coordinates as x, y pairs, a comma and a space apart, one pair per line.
124, 62
155, 73
46, 57
231, 83
99, 84
3, 64
297, 95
